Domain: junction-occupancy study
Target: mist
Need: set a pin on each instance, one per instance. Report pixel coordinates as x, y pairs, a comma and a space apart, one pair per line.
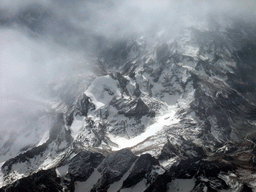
47, 43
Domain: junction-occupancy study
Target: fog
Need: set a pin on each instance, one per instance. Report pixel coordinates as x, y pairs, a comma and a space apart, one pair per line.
45, 42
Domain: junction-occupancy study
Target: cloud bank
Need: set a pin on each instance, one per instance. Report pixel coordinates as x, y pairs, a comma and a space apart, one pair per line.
50, 40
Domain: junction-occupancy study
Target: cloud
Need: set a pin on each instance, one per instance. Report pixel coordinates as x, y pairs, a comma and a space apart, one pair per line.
46, 37
27, 63
47, 41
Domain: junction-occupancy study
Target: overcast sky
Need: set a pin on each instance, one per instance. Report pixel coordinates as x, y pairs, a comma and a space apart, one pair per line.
47, 40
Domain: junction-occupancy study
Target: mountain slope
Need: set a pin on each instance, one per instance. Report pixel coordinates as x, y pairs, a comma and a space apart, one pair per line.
180, 112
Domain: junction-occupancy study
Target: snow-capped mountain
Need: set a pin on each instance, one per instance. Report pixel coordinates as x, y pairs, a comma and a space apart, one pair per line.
178, 115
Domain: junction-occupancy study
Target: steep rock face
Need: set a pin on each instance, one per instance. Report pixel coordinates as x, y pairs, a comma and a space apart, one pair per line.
142, 169
81, 108
136, 108
46, 181
195, 168
113, 168
83, 164
186, 149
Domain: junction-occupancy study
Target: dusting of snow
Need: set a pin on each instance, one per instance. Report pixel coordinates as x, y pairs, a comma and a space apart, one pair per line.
191, 50
233, 181
186, 63
168, 163
52, 159
19, 170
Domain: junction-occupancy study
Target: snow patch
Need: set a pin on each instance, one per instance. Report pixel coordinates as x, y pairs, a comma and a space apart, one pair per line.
184, 185
77, 125
162, 121
138, 187
191, 51
44, 138
102, 90
168, 163
62, 171
87, 185
158, 170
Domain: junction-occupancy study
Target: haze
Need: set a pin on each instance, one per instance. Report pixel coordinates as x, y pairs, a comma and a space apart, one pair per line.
45, 43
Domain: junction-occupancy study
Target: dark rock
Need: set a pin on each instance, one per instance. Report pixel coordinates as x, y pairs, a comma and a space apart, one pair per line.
82, 107
113, 168
139, 110
134, 108
168, 151
137, 91
200, 169
45, 181
187, 149
160, 184
203, 186
196, 167
185, 169
122, 83
83, 164
142, 168
221, 113
157, 73
245, 188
